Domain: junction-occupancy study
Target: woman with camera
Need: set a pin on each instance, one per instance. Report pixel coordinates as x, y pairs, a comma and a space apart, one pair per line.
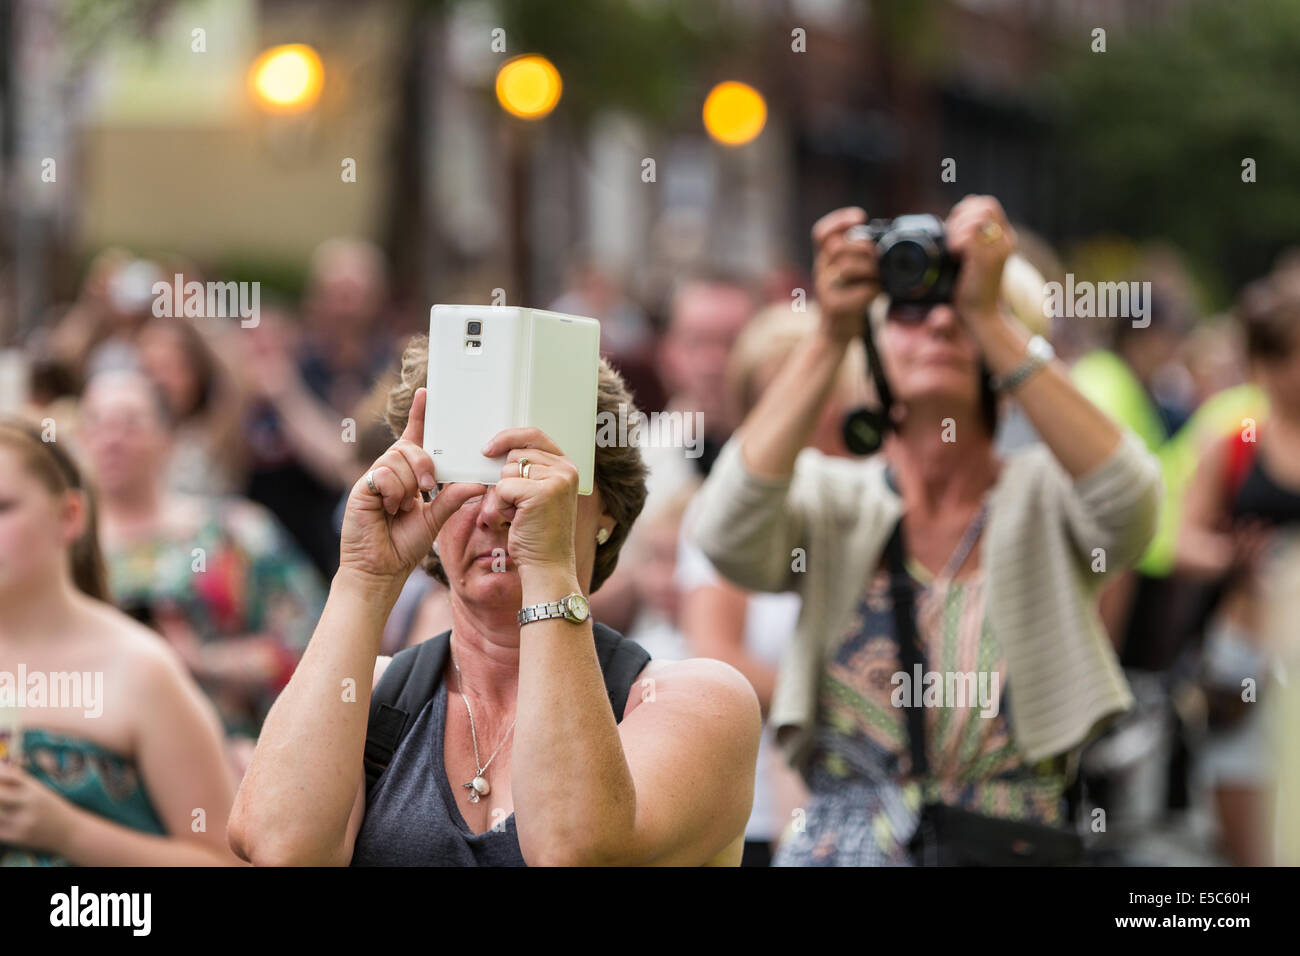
949, 660
523, 736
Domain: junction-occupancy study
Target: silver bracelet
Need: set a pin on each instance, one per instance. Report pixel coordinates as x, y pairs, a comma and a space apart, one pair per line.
1040, 352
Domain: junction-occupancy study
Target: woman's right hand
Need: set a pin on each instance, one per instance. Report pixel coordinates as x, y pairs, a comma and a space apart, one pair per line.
387, 534
845, 273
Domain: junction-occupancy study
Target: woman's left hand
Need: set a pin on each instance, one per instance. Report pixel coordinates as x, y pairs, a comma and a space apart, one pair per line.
978, 233
31, 814
545, 504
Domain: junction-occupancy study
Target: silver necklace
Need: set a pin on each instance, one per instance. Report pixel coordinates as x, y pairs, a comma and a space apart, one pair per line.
965, 545
478, 787
959, 555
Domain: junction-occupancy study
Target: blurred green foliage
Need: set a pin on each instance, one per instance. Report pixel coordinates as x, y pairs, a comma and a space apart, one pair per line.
1160, 123
85, 24
648, 57
911, 30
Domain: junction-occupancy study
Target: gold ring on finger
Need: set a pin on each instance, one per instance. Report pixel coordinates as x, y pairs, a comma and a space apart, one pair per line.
370, 483
524, 466
990, 231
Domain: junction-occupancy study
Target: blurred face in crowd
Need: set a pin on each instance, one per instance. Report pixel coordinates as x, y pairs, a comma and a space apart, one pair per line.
929, 361
165, 360
37, 527
347, 286
656, 567
1214, 359
706, 319
1147, 350
124, 433
94, 289
599, 290
1279, 375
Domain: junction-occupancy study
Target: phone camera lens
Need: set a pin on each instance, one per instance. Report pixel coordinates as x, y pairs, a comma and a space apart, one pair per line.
474, 328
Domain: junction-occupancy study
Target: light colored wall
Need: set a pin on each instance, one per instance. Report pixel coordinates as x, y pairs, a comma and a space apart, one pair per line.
207, 174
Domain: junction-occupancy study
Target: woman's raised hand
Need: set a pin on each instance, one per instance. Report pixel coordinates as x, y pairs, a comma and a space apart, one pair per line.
977, 231
389, 529
542, 507
846, 277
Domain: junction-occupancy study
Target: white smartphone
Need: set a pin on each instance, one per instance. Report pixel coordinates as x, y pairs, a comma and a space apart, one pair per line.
496, 367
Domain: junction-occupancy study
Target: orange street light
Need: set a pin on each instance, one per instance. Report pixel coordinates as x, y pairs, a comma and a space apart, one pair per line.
528, 86
287, 79
734, 113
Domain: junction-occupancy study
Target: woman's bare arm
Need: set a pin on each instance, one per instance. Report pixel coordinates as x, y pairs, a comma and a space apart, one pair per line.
672, 784
784, 419
299, 794
1080, 435
178, 753
713, 620
299, 798
1204, 549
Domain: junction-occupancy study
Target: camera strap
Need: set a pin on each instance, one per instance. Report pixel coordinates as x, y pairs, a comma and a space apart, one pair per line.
902, 592
877, 368
902, 597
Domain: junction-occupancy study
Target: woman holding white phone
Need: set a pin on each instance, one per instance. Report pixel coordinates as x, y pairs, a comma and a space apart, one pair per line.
521, 748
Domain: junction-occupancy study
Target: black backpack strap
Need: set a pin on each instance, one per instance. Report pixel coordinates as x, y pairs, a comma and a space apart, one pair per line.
621, 660
406, 686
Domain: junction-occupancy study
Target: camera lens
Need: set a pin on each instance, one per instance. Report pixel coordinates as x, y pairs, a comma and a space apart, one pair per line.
473, 328
908, 263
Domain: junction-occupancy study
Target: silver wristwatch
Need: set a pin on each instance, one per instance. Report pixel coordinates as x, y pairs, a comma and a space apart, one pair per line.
1040, 352
572, 607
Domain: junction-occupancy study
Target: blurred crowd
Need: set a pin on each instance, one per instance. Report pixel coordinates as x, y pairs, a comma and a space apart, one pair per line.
220, 456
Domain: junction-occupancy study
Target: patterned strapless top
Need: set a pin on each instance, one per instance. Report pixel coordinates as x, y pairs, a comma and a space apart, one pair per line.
90, 776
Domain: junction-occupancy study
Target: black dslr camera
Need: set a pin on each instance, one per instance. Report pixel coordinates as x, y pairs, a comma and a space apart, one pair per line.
916, 269
915, 265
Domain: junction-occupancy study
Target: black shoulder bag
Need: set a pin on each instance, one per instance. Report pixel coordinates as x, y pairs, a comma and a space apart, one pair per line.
946, 835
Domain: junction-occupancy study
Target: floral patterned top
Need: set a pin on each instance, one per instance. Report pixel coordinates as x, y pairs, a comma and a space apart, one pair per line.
232, 572
864, 805
89, 776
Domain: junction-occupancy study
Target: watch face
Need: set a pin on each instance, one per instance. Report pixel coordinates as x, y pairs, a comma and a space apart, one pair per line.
578, 609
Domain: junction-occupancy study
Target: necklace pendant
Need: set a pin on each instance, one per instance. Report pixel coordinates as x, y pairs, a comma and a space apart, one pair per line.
478, 787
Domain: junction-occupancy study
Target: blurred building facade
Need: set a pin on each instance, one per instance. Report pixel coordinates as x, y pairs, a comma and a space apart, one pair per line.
160, 146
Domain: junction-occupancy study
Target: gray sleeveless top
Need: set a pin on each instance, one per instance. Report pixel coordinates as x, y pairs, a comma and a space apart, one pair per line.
412, 814
412, 819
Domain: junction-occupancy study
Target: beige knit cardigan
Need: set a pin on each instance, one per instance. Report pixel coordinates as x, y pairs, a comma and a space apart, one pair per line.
1049, 544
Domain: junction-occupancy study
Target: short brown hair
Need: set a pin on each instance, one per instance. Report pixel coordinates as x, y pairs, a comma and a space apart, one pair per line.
620, 472
1269, 312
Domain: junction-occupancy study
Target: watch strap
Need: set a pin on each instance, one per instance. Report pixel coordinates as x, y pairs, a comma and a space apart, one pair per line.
1040, 353
547, 611
541, 612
